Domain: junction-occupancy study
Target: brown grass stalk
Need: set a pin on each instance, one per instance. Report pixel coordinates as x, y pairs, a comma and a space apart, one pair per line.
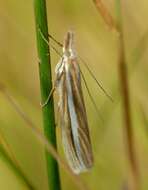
124, 84
105, 14
128, 129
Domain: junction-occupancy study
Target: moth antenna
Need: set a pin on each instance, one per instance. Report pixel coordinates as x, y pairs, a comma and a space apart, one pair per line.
91, 73
87, 67
57, 42
94, 77
47, 42
92, 100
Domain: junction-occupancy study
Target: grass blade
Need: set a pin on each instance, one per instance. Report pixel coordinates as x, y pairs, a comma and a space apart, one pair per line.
124, 83
46, 86
5, 155
129, 136
106, 16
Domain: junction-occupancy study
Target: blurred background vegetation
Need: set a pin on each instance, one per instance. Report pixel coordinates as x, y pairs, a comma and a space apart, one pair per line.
98, 47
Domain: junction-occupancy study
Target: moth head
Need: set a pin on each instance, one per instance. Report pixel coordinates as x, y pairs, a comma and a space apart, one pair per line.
68, 48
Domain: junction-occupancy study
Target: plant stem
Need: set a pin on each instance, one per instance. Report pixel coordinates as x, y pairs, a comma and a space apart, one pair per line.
46, 86
129, 135
128, 130
17, 171
106, 16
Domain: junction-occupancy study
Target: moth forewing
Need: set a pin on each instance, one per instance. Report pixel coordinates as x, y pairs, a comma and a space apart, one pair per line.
74, 125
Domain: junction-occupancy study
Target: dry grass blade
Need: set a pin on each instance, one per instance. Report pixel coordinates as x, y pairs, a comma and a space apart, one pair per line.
9, 158
42, 139
107, 17
130, 144
15, 169
129, 135
128, 130
7, 148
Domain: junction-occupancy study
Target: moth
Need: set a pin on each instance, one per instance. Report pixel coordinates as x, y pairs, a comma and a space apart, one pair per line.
73, 118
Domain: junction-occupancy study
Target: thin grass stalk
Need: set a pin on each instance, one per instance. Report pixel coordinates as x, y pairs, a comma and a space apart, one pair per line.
130, 144
8, 156
7, 148
128, 128
106, 16
46, 86
15, 169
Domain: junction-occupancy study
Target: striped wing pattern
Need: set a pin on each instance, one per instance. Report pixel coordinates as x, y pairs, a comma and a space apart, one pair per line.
75, 132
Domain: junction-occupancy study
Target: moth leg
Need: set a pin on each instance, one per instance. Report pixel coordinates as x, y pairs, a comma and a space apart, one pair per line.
52, 91
42, 35
49, 96
47, 42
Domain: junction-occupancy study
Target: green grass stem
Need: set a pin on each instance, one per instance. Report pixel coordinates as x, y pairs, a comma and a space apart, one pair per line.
46, 86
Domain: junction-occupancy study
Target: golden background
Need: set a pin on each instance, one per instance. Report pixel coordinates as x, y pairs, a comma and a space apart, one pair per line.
97, 45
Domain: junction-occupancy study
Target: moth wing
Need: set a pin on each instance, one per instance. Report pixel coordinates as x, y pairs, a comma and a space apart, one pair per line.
75, 132
80, 110
67, 136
